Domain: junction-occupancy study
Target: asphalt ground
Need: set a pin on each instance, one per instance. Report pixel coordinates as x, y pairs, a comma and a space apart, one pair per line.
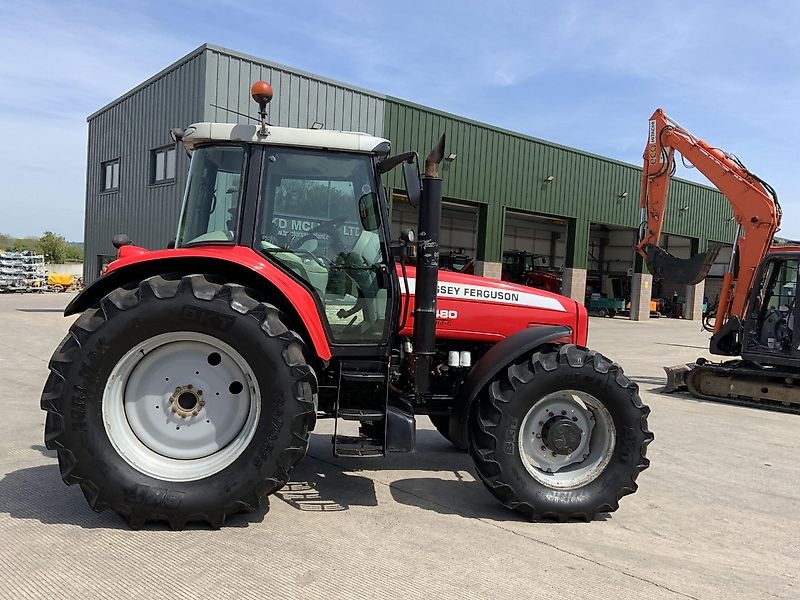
717, 514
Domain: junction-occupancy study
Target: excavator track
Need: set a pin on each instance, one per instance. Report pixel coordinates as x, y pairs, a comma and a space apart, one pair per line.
741, 383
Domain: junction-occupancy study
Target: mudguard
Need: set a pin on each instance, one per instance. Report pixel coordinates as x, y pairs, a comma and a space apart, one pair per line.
234, 263
498, 357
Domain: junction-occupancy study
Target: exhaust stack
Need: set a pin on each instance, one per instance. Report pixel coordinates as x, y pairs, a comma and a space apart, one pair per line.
430, 224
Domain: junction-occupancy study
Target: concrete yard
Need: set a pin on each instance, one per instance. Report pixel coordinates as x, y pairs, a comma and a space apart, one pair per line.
717, 514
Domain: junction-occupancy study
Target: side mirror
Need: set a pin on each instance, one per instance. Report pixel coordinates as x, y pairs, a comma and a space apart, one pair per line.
413, 184
368, 211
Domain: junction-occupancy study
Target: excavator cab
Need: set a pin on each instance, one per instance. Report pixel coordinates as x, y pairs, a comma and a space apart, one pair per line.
770, 335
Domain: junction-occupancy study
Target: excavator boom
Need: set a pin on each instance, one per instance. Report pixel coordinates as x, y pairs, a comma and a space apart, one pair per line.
755, 210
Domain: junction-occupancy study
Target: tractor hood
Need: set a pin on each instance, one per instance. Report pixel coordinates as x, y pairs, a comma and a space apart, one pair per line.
487, 310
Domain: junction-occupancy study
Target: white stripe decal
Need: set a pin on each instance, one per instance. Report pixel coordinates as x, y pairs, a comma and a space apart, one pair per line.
461, 291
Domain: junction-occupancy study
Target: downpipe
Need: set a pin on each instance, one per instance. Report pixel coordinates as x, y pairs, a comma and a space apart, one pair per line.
430, 225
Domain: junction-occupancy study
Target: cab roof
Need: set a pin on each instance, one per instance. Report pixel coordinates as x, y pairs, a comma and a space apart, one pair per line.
349, 141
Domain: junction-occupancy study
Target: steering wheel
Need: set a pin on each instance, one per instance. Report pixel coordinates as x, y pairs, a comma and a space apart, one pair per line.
329, 228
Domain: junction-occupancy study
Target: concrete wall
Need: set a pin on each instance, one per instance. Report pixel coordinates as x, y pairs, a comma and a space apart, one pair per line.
65, 268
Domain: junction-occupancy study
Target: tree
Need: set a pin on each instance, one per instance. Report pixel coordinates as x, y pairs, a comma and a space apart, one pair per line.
54, 247
6, 241
22, 244
74, 254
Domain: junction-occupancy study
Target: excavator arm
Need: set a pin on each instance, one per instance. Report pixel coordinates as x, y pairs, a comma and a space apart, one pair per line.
755, 210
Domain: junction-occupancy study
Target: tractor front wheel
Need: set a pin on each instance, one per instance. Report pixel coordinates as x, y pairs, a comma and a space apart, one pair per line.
179, 400
560, 434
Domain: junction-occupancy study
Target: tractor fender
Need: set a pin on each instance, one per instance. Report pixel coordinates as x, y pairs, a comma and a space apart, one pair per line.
273, 284
490, 364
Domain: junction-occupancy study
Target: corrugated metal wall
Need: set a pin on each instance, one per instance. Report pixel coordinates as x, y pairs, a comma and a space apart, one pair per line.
129, 129
300, 98
495, 169
503, 169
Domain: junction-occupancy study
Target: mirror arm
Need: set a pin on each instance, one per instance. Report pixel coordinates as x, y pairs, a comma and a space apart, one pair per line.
390, 163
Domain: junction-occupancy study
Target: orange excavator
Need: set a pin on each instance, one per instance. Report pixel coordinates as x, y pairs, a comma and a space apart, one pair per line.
754, 320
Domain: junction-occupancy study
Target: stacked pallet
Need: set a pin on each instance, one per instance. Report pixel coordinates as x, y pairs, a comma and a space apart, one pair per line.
22, 272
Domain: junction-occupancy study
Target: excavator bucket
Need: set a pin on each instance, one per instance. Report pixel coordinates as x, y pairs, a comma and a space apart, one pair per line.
663, 265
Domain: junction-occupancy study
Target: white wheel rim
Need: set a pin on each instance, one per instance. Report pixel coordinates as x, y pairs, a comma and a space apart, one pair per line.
590, 457
181, 406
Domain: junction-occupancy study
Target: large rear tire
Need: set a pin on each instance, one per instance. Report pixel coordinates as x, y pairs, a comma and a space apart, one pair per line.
179, 400
561, 434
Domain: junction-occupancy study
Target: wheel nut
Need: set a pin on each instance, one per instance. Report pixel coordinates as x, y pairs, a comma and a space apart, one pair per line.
563, 412
199, 392
188, 387
202, 403
554, 454
543, 448
177, 389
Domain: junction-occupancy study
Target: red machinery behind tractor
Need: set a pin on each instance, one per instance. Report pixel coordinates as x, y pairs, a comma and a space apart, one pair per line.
520, 267
187, 388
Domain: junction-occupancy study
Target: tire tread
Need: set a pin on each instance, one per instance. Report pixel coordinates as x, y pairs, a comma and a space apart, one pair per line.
488, 414
155, 289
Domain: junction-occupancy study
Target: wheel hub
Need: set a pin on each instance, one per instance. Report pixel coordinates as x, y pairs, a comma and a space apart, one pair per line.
566, 439
186, 401
561, 435
181, 405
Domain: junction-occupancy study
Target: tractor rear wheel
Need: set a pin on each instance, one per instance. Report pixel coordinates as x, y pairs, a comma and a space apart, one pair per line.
179, 400
561, 434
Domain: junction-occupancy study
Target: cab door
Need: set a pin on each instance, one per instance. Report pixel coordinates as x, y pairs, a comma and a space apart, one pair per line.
774, 314
320, 220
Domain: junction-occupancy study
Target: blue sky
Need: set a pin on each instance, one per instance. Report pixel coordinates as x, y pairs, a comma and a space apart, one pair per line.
579, 73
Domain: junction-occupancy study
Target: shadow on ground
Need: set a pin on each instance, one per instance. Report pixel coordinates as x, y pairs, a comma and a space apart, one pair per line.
320, 483
318, 486
38, 493
455, 491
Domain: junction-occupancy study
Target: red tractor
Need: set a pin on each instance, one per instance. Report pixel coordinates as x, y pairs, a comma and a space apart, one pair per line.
520, 267
187, 388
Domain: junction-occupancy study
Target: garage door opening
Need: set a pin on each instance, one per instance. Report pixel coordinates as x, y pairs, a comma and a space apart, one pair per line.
534, 247
610, 261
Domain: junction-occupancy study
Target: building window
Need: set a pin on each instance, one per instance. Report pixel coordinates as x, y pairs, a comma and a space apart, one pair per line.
110, 171
163, 165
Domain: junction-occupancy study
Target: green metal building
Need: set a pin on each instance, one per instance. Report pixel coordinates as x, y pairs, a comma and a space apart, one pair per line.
577, 212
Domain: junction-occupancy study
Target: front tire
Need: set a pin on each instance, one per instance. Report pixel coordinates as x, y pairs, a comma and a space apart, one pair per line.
179, 400
561, 434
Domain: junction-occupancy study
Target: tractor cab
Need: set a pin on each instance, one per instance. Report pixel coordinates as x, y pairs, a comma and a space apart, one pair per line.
308, 200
